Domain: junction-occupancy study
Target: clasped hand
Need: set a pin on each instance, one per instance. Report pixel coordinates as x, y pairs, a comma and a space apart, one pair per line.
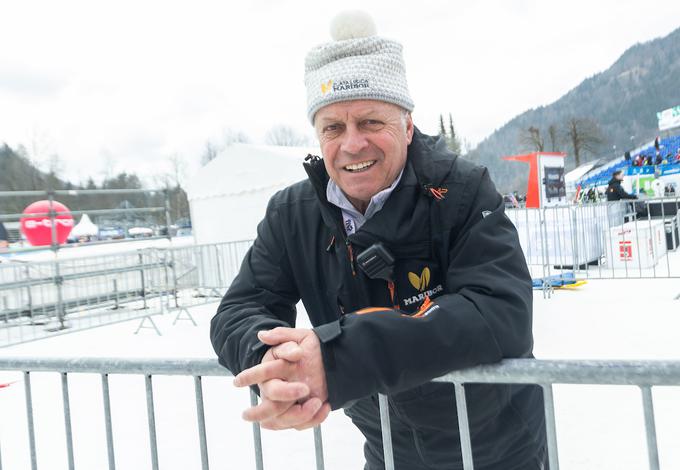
291, 379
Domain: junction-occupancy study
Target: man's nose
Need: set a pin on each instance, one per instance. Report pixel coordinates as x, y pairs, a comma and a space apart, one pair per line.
353, 141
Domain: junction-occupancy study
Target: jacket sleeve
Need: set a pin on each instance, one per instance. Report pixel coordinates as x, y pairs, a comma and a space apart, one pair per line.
484, 315
262, 296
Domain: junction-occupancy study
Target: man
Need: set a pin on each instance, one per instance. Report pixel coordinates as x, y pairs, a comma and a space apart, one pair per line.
407, 267
614, 190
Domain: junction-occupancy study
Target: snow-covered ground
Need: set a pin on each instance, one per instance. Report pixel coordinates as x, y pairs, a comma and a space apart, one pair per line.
598, 427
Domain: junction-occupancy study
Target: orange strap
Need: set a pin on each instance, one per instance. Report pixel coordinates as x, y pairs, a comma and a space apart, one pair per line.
427, 303
372, 310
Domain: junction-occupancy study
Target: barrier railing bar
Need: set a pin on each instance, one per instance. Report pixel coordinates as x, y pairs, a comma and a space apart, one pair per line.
463, 427
655, 249
550, 427
526, 371
200, 414
663, 222
107, 422
650, 427
67, 420
257, 435
541, 371
153, 445
29, 419
93, 212
318, 448
386, 431
76, 192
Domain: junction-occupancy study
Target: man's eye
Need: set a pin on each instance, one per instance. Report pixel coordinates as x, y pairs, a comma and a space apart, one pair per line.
331, 129
373, 124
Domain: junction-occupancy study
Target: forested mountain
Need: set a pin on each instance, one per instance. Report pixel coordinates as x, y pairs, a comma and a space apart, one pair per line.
622, 101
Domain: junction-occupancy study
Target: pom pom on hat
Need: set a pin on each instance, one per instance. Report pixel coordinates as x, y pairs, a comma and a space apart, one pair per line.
352, 24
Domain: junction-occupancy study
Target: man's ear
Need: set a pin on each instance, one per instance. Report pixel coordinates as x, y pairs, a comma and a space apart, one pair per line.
409, 128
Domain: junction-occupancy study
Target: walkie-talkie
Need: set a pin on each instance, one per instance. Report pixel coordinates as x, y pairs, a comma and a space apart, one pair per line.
377, 262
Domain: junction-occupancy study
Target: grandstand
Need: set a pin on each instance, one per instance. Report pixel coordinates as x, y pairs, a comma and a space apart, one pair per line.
601, 175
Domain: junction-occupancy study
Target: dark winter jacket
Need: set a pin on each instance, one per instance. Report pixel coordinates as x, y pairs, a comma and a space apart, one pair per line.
463, 252
615, 192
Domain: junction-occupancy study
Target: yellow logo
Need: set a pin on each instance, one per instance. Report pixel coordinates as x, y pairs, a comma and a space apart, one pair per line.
420, 282
326, 87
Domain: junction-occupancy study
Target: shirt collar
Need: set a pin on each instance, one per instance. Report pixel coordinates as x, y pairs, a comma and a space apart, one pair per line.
336, 197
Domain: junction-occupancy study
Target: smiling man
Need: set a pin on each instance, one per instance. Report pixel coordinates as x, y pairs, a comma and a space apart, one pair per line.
408, 268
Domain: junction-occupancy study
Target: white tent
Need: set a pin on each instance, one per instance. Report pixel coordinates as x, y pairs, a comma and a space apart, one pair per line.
228, 196
84, 228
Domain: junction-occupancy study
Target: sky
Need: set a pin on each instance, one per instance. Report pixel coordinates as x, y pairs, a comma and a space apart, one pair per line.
131, 85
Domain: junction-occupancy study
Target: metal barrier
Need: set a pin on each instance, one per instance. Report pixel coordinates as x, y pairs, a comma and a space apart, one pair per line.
39, 299
44, 298
644, 374
613, 240
209, 268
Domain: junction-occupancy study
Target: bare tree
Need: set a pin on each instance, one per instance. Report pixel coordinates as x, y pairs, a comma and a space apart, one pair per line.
553, 135
55, 167
532, 139
233, 136
285, 136
178, 167
583, 135
109, 164
178, 172
209, 153
229, 137
39, 146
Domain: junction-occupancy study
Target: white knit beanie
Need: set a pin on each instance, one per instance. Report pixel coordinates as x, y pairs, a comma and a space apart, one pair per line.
356, 65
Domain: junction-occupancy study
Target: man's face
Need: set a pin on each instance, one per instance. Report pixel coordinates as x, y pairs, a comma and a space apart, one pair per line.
364, 145
619, 176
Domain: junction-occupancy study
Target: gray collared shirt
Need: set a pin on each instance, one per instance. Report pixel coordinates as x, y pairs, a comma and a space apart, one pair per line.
352, 218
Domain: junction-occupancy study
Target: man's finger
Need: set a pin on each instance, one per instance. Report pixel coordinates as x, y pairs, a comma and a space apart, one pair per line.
280, 390
266, 410
290, 351
276, 369
318, 418
281, 334
294, 416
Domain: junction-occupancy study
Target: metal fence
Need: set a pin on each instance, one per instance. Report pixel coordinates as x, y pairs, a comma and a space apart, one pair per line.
45, 298
643, 374
612, 240
39, 299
